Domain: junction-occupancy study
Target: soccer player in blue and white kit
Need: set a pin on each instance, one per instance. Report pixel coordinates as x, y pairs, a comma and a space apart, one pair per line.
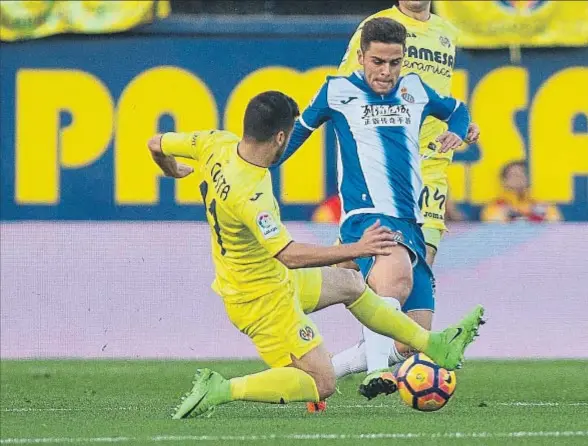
377, 116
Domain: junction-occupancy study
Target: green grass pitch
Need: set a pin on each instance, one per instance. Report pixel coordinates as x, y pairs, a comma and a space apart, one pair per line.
130, 402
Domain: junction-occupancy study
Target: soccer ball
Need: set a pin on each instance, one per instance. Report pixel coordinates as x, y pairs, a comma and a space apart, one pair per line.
423, 385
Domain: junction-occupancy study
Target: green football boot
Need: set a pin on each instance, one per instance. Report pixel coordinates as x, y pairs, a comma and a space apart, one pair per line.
210, 390
447, 347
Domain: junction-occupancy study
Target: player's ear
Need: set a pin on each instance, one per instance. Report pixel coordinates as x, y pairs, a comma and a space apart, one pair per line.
360, 56
281, 138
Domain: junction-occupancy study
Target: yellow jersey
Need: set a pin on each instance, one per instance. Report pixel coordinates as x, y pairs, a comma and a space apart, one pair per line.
430, 53
243, 214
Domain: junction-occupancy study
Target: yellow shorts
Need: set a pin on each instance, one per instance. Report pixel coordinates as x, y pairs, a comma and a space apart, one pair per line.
434, 197
277, 323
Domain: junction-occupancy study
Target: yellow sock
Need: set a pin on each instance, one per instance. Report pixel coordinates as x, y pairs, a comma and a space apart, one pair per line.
378, 316
280, 385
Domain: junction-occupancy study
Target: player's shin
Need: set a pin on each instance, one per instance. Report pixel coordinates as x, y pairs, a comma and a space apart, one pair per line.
279, 385
378, 347
379, 316
351, 360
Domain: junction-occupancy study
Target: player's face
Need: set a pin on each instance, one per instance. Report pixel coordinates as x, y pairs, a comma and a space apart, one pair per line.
516, 179
416, 5
381, 64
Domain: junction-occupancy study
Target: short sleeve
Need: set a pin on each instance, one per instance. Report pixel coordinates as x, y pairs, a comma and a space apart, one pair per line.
186, 145
318, 112
261, 215
441, 107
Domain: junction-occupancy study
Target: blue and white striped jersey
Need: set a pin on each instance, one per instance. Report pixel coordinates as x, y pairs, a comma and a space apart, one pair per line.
378, 140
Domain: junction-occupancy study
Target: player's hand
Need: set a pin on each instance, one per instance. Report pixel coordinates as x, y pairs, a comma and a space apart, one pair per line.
377, 240
182, 170
449, 141
473, 133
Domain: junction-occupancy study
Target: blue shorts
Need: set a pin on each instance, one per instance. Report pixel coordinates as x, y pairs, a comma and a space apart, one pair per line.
422, 296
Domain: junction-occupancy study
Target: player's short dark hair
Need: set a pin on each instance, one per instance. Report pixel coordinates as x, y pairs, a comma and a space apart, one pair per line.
268, 113
506, 169
384, 30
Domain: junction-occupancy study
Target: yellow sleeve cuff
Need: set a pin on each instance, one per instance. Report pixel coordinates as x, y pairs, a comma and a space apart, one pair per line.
178, 144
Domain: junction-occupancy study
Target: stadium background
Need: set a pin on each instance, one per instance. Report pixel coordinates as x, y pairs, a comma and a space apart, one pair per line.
101, 257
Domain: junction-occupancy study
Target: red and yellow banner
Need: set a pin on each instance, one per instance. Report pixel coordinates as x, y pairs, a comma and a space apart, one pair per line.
525, 23
20, 20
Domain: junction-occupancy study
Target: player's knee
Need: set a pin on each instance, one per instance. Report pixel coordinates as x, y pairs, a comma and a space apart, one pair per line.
355, 286
324, 379
326, 383
403, 287
400, 288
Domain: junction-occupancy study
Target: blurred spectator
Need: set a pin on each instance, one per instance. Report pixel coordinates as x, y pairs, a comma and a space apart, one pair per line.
515, 202
329, 211
453, 213
282, 7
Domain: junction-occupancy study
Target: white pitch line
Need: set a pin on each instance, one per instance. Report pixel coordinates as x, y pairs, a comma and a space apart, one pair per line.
286, 406
256, 438
65, 409
540, 404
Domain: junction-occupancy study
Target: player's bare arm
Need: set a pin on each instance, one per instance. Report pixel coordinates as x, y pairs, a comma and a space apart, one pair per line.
167, 163
376, 240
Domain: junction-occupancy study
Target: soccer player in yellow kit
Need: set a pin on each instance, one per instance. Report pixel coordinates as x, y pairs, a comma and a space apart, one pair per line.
257, 263
430, 53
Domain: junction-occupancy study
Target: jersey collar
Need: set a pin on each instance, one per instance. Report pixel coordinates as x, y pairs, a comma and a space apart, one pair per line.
409, 21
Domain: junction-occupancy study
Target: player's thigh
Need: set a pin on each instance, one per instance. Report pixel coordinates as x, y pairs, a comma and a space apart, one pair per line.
307, 285
339, 285
432, 238
431, 255
391, 275
277, 326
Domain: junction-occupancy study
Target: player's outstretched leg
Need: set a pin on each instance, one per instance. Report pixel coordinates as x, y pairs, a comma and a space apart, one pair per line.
447, 348
279, 385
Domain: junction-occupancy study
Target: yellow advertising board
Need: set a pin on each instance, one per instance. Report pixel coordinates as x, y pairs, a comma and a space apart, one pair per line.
526, 23
21, 20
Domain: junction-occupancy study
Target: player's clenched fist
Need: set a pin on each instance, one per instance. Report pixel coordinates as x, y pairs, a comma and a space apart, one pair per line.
377, 240
473, 134
182, 170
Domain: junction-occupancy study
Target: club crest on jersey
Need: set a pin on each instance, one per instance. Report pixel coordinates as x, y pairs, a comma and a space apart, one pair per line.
398, 237
267, 225
382, 114
445, 41
406, 95
306, 333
